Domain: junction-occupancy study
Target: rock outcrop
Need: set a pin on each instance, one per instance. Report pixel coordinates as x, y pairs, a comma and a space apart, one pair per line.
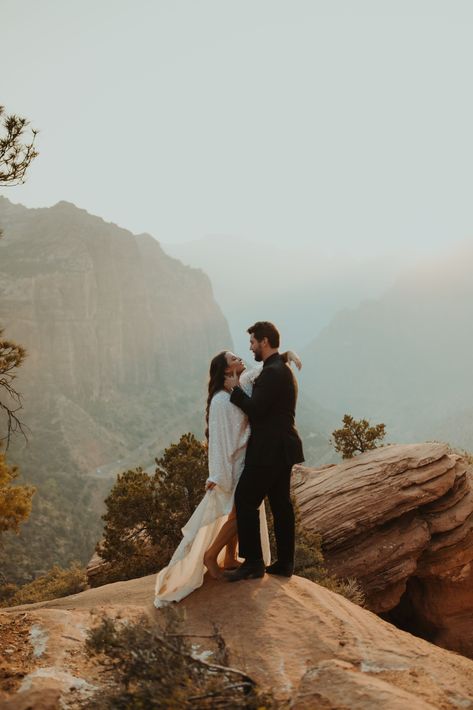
400, 520
301, 640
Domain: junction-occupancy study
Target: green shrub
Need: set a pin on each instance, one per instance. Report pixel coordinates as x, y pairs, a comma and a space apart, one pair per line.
7, 592
15, 500
145, 513
58, 582
356, 436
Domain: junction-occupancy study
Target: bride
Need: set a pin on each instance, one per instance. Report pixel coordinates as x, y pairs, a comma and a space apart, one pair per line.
209, 537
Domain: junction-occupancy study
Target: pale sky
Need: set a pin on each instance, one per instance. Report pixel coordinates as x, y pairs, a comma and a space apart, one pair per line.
348, 123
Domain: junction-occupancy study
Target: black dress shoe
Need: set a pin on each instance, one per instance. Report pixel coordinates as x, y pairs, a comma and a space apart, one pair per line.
280, 569
248, 570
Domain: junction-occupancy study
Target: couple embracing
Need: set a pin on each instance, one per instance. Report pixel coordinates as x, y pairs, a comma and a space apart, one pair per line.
252, 447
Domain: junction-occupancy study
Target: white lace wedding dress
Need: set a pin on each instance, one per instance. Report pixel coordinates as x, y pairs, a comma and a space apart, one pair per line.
228, 436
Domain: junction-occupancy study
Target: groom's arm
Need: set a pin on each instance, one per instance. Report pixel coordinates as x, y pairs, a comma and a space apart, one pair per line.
263, 397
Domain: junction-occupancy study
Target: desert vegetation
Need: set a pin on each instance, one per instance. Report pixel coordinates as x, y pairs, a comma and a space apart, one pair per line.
150, 667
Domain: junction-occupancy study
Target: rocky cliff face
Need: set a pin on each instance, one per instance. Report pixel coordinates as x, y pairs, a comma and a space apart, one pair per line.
119, 338
104, 314
400, 520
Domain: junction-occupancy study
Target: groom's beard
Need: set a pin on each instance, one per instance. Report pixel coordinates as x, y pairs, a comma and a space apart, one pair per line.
258, 356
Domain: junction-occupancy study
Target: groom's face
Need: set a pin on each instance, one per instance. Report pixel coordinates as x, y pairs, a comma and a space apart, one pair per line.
256, 348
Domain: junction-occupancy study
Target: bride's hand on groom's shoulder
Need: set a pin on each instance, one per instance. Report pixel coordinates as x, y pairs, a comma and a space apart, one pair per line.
231, 381
294, 357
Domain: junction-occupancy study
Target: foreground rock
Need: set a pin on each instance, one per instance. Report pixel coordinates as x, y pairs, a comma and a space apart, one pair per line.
301, 640
400, 520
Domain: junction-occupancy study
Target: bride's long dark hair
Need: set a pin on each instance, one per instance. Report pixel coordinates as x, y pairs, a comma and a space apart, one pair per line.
218, 365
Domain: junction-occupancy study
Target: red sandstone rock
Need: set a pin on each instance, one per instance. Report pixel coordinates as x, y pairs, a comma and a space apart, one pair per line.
400, 520
293, 636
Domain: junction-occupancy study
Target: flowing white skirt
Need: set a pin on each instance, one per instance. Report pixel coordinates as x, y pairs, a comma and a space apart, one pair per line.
185, 572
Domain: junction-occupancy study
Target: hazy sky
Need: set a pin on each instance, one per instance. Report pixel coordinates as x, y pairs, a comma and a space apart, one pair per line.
344, 122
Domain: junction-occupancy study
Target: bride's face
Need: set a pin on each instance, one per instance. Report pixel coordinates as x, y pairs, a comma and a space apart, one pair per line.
235, 364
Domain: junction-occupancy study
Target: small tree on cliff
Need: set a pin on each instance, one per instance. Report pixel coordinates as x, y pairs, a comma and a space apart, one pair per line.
15, 501
15, 155
356, 436
11, 357
145, 513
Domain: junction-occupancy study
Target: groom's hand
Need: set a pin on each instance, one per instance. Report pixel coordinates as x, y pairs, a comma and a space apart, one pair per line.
231, 381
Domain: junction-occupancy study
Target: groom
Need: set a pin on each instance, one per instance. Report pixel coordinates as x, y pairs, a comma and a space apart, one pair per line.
274, 447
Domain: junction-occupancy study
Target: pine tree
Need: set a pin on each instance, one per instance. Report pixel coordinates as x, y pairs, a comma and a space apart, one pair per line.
15, 501
145, 513
15, 158
356, 436
11, 357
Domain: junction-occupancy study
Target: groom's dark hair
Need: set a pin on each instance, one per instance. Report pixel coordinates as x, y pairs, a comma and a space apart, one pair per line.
265, 329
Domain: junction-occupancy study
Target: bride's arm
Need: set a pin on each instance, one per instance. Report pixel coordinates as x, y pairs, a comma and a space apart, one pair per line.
290, 356
221, 443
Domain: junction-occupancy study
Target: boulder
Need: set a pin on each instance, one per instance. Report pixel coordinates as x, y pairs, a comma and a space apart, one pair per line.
400, 519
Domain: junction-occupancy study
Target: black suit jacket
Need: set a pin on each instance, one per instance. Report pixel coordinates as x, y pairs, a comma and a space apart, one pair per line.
271, 410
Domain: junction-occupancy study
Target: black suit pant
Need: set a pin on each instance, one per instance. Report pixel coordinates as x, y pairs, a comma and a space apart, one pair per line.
257, 482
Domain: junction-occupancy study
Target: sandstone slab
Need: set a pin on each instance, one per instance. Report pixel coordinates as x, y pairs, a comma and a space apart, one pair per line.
309, 645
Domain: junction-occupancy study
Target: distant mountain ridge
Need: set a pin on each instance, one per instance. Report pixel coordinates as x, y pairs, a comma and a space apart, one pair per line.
119, 338
404, 358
